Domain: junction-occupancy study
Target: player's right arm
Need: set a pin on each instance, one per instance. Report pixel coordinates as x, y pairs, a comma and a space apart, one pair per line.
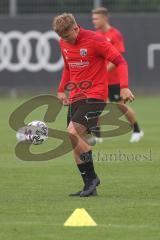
64, 80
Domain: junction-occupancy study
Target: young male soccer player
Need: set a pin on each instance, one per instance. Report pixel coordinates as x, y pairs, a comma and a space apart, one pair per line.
85, 54
101, 23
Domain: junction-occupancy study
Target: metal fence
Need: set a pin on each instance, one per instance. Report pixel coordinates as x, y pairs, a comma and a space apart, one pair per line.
4, 6
15, 7
132, 5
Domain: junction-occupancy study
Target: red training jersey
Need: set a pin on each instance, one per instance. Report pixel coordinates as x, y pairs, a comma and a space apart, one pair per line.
114, 36
85, 61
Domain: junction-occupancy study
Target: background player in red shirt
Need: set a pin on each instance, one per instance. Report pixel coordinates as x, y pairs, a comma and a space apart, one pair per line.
101, 23
85, 54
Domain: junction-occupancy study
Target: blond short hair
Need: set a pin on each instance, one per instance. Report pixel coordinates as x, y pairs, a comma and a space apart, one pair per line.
100, 10
64, 22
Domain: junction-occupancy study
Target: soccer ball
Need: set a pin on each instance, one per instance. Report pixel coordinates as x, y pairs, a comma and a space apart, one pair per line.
36, 132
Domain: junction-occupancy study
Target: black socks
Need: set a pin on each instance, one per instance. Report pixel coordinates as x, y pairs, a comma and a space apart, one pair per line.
82, 171
87, 168
136, 128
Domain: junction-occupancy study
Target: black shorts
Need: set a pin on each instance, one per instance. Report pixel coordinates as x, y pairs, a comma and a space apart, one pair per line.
86, 112
114, 93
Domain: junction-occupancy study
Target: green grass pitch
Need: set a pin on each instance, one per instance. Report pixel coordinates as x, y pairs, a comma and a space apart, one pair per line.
34, 200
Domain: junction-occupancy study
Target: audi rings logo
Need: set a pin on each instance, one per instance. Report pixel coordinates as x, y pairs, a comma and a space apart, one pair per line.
24, 51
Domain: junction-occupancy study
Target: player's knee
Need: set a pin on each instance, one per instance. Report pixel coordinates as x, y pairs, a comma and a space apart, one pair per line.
71, 130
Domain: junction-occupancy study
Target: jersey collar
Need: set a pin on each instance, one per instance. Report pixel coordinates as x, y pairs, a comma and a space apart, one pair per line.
79, 36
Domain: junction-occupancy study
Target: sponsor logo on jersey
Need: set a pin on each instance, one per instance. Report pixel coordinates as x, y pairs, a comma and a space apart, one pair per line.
80, 64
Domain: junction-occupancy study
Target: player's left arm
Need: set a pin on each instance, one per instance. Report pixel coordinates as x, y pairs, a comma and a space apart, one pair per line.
111, 54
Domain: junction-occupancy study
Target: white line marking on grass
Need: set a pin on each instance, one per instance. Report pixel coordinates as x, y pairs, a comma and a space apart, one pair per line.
133, 226
130, 226
29, 223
